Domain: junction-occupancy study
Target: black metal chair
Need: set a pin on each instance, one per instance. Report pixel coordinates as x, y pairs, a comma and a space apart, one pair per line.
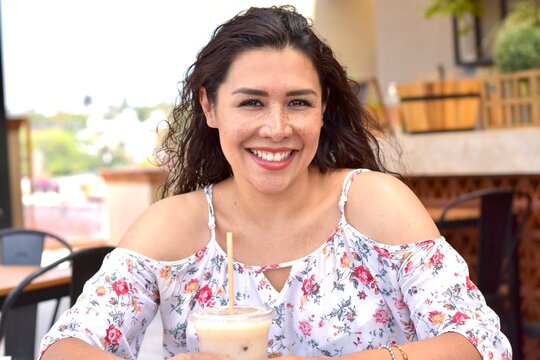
25, 246
84, 264
499, 231
19, 246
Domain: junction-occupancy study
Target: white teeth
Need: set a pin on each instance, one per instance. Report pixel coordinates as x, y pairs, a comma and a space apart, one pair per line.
270, 156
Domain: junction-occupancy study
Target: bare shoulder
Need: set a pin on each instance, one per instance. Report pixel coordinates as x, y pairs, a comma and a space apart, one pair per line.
170, 229
385, 209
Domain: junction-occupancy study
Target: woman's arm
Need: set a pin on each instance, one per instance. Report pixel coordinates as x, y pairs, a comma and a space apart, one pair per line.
119, 302
75, 349
448, 312
448, 346
114, 309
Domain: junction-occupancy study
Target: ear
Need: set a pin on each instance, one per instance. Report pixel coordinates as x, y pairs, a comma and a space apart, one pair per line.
208, 108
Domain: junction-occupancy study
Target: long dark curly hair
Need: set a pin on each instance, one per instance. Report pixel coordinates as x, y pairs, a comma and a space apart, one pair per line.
191, 150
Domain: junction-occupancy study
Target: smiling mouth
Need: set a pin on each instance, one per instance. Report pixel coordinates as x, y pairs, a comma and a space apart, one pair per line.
271, 156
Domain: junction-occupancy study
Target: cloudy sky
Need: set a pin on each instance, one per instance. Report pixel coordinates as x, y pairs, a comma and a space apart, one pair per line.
56, 52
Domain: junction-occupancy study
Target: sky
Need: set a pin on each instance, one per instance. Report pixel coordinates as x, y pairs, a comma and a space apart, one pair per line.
57, 52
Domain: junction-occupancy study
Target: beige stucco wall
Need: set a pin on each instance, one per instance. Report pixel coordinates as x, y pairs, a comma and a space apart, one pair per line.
130, 191
408, 46
389, 39
347, 25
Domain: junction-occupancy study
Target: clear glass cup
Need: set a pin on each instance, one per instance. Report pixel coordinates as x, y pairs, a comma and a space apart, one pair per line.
239, 336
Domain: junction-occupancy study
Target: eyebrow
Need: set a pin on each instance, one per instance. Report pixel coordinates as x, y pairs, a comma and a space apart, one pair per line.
255, 92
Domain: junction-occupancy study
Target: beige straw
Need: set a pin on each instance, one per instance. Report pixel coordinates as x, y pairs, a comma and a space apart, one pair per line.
230, 272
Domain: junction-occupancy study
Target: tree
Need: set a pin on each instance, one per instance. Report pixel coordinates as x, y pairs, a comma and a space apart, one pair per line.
62, 154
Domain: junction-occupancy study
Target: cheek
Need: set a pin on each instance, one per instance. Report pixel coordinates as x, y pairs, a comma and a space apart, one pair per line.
309, 130
234, 133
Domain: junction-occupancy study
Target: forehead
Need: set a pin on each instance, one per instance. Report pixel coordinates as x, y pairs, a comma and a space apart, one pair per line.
267, 67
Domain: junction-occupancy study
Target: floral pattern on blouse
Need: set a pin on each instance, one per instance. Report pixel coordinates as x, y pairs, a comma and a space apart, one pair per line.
351, 294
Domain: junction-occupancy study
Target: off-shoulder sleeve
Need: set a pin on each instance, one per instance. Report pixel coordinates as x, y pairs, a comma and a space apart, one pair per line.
115, 308
435, 282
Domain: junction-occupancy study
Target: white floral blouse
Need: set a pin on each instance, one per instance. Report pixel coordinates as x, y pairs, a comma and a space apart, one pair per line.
350, 294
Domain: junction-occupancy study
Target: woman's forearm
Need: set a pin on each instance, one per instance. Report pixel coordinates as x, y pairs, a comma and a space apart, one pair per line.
75, 349
447, 346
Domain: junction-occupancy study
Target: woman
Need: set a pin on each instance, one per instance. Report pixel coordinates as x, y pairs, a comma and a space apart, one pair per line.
270, 143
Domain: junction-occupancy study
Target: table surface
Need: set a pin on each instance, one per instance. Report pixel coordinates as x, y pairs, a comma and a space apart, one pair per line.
12, 275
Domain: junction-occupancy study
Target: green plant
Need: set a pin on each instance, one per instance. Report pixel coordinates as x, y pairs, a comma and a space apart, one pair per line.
61, 153
525, 12
457, 8
518, 48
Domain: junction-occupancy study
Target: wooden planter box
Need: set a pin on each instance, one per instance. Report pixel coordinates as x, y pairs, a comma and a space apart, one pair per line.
440, 105
511, 99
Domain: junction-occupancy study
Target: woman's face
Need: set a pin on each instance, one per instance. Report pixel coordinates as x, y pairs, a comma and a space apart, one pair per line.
268, 112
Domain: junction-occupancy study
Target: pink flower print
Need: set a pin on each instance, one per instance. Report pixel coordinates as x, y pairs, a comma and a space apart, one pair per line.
381, 316
305, 327
309, 285
383, 252
204, 295
112, 335
269, 267
459, 318
408, 267
363, 275
199, 254
436, 317
470, 284
399, 303
426, 243
436, 260
473, 339
120, 287
191, 286
331, 237
240, 269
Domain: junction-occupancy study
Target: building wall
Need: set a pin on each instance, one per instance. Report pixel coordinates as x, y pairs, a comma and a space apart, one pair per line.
347, 25
410, 47
389, 39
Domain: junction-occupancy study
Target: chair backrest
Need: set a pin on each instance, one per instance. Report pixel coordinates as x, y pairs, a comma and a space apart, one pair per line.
25, 246
85, 263
499, 231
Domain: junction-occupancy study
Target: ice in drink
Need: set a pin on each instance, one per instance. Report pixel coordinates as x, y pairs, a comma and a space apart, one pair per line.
239, 336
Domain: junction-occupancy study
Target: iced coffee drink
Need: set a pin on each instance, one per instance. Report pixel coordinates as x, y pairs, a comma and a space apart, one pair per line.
239, 336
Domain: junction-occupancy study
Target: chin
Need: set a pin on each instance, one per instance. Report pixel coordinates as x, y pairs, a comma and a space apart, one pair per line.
273, 185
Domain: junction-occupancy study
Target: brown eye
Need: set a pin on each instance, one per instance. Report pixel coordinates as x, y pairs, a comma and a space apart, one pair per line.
300, 102
251, 102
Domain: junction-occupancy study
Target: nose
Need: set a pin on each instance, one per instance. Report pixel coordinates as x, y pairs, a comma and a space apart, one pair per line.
277, 125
